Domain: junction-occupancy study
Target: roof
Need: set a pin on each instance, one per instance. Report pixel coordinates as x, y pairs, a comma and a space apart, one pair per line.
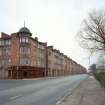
24, 30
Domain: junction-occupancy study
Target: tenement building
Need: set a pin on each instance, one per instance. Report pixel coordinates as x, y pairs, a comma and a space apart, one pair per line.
22, 56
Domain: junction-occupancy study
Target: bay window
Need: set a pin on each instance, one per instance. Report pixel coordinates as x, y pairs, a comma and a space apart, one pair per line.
24, 61
24, 39
24, 50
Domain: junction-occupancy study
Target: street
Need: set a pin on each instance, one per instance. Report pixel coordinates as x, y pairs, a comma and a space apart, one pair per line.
37, 92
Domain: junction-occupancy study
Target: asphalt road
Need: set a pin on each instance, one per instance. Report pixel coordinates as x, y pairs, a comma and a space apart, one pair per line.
37, 92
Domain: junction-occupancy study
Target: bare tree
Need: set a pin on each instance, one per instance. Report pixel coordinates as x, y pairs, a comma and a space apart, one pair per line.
92, 31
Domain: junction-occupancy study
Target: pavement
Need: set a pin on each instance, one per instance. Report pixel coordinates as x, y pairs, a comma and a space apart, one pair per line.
89, 92
37, 92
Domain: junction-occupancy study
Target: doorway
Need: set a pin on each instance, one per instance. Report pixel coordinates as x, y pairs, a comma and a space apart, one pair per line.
25, 74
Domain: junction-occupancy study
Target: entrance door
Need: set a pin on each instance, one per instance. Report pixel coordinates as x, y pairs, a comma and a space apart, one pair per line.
25, 74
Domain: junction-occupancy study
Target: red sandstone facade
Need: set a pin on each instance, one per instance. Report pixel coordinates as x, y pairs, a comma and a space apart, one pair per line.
22, 56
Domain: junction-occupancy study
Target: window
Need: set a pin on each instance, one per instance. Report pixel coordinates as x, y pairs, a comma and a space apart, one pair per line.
0, 51
24, 40
3, 62
1, 42
34, 44
7, 51
24, 61
8, 42
9, 60
6, 61
0, 63
41, 47
24, 50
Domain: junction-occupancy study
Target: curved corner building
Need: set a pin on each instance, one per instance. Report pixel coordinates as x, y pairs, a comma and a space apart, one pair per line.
22, 56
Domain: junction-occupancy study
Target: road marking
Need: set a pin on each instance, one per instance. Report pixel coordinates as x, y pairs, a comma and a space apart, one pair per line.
14, 97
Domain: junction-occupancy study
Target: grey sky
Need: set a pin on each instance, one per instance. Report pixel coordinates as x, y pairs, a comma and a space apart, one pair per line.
53, 21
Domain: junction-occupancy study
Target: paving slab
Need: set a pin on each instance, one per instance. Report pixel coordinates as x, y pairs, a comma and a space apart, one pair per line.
88, 92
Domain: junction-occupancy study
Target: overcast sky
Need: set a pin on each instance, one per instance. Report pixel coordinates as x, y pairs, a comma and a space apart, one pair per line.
54, 21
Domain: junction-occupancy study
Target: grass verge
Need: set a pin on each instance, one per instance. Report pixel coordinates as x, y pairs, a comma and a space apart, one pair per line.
101, 78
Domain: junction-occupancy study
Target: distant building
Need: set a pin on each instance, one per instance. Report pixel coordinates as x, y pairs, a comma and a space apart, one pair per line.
22, 56
92, 68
